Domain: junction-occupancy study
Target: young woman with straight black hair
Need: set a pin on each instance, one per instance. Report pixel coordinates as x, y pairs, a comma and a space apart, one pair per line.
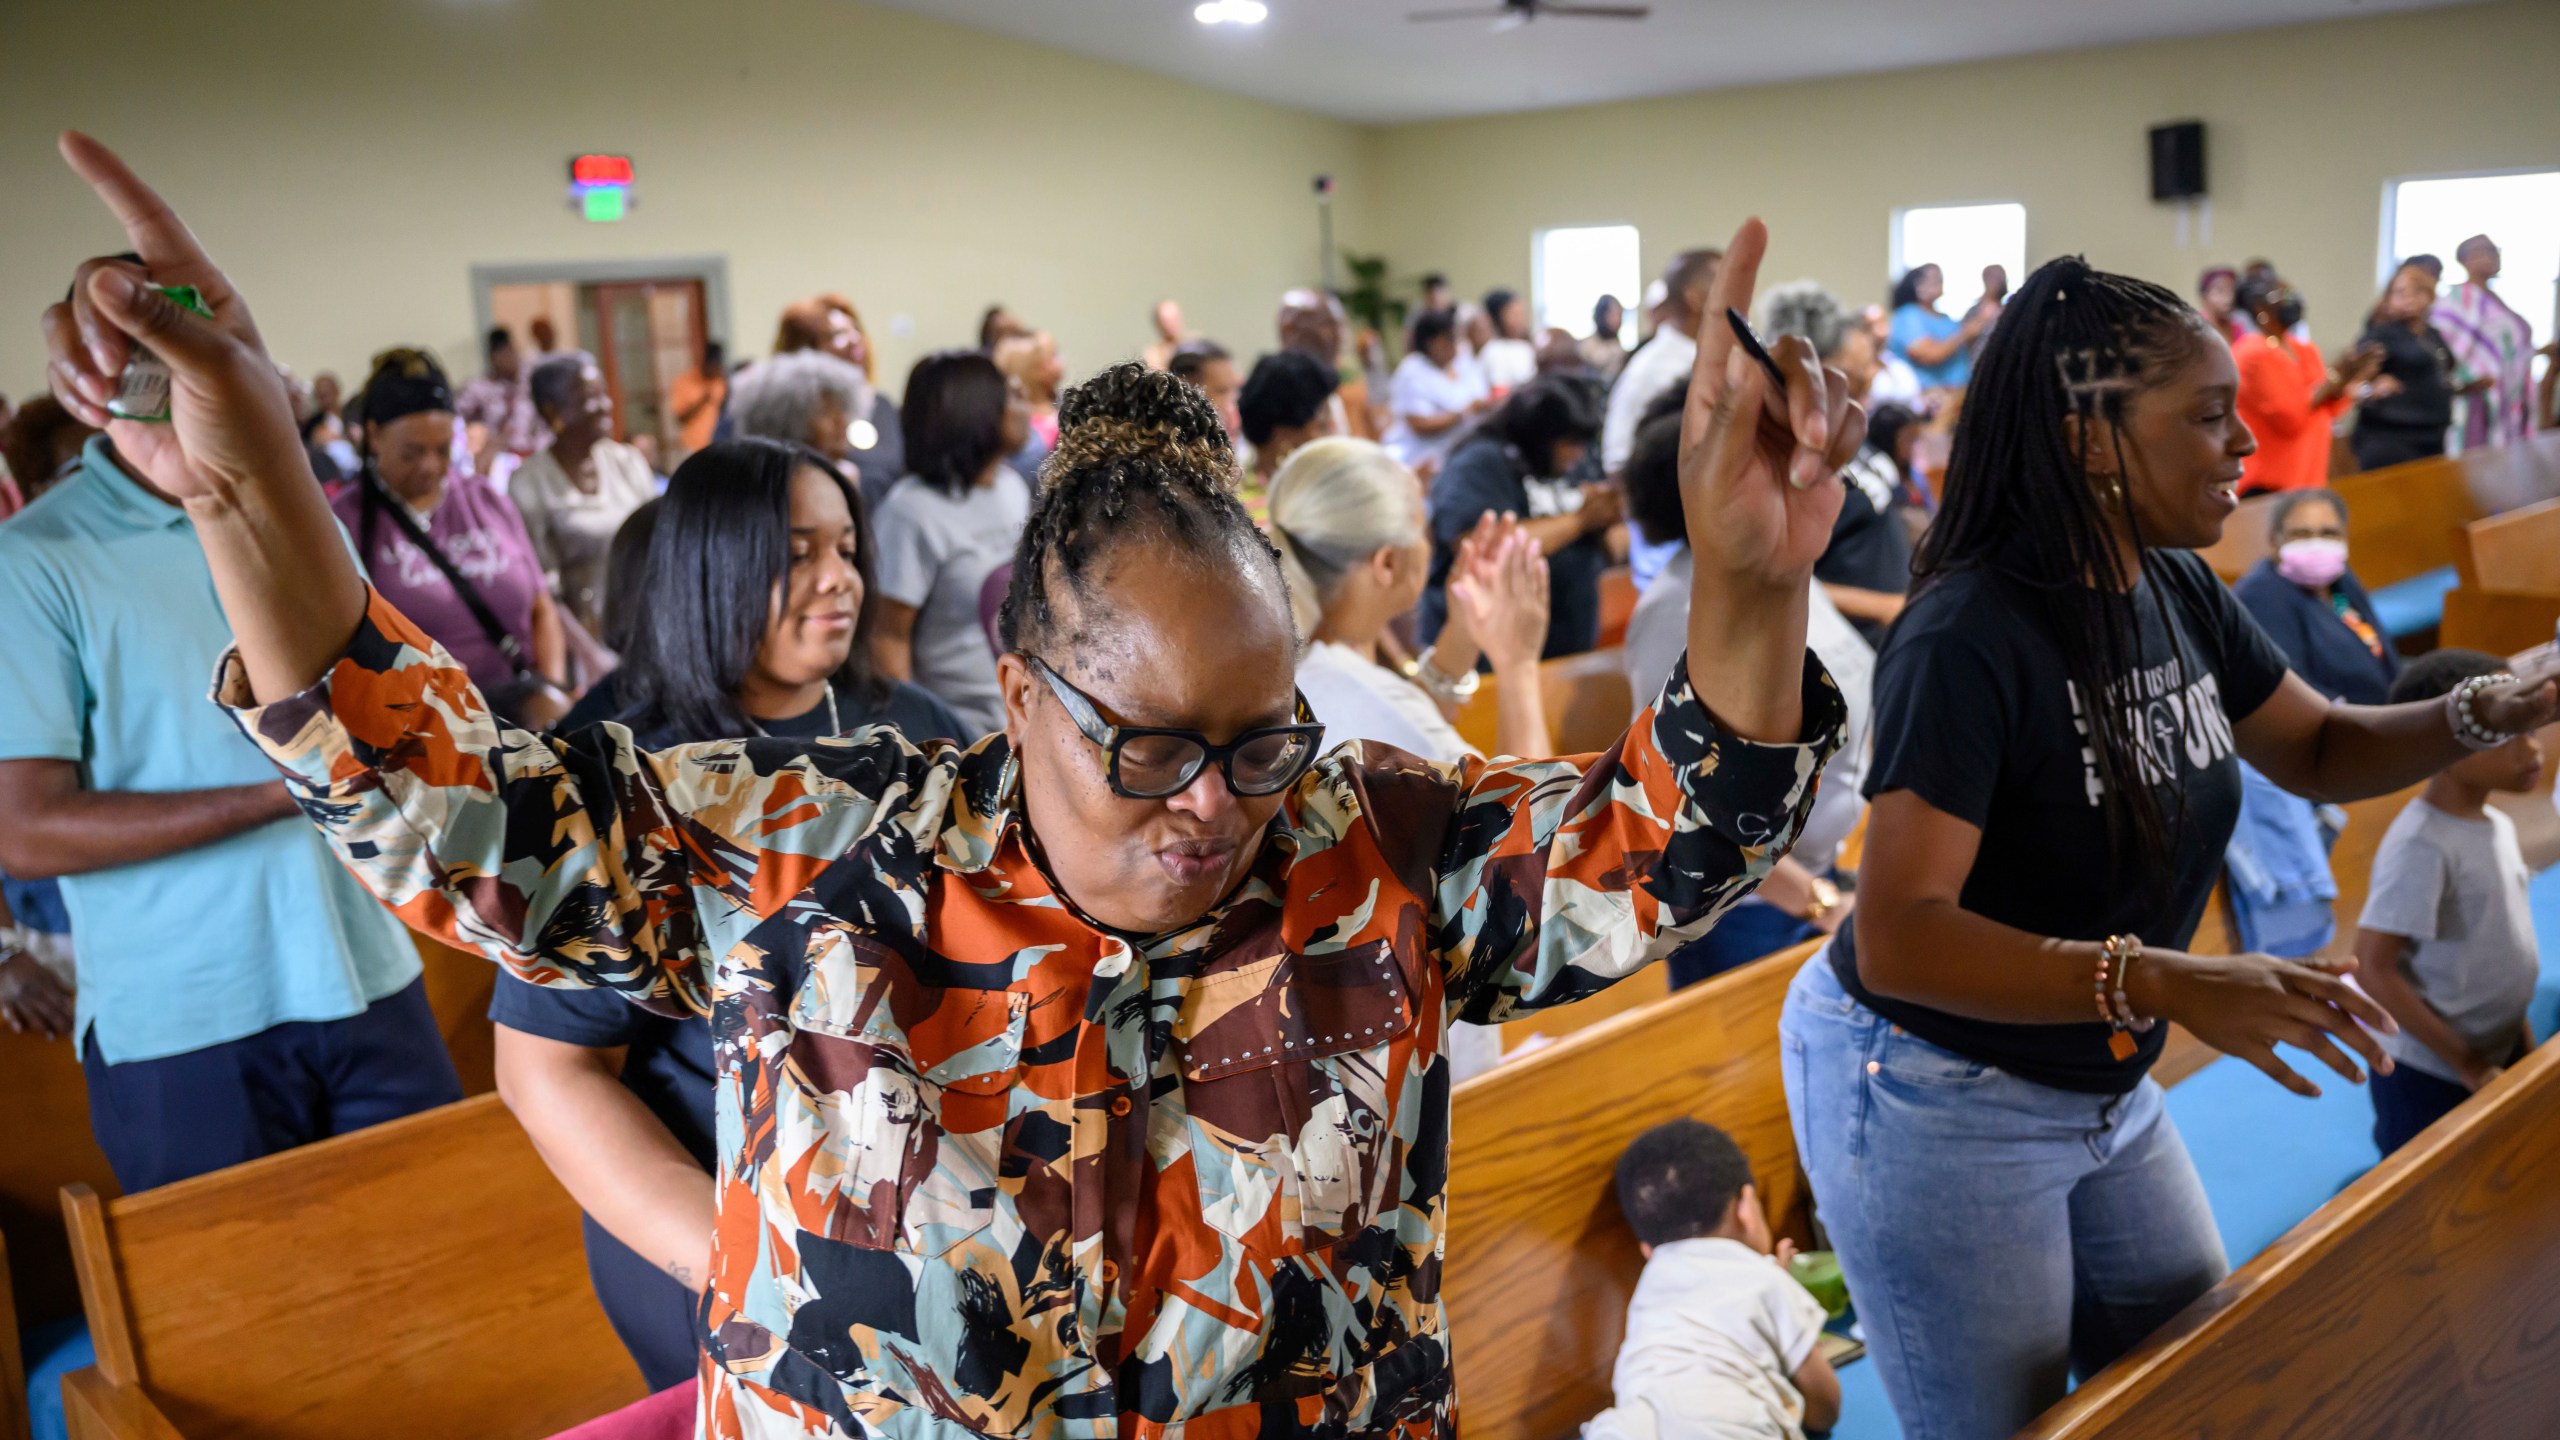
2060, 715
757, 571
760, 601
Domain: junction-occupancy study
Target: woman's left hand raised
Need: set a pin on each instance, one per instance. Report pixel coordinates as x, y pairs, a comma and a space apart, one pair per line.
1759, 469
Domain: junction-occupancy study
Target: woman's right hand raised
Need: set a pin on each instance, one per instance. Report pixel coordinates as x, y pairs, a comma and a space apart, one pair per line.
231, 418
2244, 1005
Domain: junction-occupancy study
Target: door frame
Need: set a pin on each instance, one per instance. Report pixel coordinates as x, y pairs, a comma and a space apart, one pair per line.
711, 270
608, 350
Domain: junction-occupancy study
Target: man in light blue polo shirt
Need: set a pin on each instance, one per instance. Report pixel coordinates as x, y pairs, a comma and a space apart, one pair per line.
239, 994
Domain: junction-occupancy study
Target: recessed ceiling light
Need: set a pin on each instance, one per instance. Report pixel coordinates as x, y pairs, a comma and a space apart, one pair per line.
1231, 12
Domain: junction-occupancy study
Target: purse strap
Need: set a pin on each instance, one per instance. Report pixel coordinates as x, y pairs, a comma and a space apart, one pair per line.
378, 498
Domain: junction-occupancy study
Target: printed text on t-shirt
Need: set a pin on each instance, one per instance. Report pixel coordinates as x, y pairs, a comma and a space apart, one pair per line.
2167, 717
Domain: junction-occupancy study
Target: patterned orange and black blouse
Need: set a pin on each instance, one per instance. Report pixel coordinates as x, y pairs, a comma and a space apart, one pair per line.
986, 1168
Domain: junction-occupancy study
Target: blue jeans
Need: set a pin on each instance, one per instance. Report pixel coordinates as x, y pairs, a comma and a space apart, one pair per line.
1997, 1235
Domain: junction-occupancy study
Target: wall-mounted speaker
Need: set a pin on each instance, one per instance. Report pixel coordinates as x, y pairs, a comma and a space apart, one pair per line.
2177, 160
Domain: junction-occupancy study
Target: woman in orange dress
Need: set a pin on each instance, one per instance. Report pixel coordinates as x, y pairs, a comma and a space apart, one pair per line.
2289, 395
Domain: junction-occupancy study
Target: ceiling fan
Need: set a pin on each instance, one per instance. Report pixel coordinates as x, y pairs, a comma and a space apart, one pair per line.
1511, 14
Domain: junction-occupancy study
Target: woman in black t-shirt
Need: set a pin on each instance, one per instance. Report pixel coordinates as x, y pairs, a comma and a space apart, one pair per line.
2057, 716
2412, 404
757, 584
1531, 458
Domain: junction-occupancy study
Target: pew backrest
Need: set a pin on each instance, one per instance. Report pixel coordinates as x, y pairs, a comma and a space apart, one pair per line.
2502, 622
2401, 519
1540, 1263
422, 1278
2515, 550
2424, 1300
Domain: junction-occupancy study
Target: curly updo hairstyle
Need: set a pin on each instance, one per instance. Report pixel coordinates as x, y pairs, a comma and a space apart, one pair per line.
1141, 459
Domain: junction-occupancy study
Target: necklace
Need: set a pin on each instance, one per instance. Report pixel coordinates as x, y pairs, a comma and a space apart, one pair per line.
835, 721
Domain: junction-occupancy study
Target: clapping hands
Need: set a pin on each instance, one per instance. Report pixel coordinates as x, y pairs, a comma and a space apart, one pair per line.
1498, 591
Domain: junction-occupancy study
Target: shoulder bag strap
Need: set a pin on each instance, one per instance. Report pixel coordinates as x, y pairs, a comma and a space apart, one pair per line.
463, 589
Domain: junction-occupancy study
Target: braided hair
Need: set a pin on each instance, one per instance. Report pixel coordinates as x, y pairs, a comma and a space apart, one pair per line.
1141, 459
2075, 341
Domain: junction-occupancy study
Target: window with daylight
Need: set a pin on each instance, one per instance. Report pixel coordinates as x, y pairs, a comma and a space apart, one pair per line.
2518, 210
1960, 240
1570, 268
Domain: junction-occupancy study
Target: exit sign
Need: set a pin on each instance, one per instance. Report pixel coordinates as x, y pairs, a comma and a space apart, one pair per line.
600, 186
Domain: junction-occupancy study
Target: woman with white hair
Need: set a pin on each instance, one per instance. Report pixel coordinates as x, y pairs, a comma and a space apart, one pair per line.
806, 397
576, 492
1348, 520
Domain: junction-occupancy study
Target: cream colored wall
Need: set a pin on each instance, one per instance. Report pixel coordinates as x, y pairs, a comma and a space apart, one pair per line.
2304, 125
352, 163
349, 163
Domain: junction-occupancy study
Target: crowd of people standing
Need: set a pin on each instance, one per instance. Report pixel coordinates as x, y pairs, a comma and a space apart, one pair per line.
1094, 654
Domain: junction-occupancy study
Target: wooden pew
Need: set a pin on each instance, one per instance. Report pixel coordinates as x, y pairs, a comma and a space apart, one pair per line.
1540, 1262
45, 1140
1588, 703
2401, 519
2423, 1301
2509, 598
45, 1144
423, 1278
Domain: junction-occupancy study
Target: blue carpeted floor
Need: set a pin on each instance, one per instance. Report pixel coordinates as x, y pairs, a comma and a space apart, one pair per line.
2268, 1157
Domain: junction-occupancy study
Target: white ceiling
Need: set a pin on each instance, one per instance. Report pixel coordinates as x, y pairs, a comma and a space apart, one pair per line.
1361, 60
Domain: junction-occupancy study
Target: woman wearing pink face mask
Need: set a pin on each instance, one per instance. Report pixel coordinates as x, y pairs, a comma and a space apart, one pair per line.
2313, 608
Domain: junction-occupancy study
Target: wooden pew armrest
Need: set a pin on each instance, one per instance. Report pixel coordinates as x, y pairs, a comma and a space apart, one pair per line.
99, 1409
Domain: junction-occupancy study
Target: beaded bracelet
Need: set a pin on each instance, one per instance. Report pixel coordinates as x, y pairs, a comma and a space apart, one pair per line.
2459, 713
2116, 955
2128, 949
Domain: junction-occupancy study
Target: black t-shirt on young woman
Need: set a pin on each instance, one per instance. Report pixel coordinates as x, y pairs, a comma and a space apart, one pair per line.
1974, 713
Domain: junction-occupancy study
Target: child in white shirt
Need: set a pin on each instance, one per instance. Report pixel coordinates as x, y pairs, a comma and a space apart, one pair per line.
2446, 942
1721, 1340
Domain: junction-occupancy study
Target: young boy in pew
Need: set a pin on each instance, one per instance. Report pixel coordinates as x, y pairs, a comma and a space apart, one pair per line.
1721, 1341
2446, 943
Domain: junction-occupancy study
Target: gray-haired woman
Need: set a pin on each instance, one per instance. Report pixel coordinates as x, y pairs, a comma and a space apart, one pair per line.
576, 492
807, 397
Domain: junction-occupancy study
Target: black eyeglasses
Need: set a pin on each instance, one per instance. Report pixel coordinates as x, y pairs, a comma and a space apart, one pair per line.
1147, 762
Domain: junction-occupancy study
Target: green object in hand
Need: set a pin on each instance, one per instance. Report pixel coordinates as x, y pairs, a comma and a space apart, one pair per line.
142, 393
1819, 1272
